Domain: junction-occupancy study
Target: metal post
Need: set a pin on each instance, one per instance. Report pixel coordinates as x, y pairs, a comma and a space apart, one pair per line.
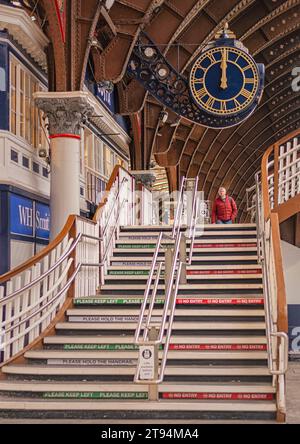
153, 388
183, 259
169, 252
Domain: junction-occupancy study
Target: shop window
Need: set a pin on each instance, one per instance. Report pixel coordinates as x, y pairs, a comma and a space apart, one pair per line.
14, 156
25, 162
24, 116
45, 172
36, 167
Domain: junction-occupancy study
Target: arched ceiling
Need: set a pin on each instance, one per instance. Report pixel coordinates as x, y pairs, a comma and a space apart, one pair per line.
181, 28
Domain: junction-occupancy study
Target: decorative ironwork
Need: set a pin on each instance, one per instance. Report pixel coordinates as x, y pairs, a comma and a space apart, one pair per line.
149, 66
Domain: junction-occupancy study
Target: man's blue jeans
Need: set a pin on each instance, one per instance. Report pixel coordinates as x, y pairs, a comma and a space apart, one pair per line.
220, 222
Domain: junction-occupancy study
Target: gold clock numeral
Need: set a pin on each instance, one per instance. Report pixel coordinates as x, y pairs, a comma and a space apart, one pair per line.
212, 58
223, 105
201, 93
197, 81
210, 103
251, 81
237, 103
247, 94
246, 68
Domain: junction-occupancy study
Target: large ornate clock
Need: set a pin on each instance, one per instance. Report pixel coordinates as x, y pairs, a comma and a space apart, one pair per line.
223, 88
226, 80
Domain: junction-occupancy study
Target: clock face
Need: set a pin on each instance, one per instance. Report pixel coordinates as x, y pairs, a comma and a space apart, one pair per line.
224, 81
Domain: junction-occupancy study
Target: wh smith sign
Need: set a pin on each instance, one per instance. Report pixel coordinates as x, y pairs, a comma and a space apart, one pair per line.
29, 218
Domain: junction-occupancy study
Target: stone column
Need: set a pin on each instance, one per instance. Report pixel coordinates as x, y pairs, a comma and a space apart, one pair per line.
143, 178
65, 112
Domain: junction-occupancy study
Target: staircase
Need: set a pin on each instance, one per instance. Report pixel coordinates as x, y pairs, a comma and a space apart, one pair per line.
217, 361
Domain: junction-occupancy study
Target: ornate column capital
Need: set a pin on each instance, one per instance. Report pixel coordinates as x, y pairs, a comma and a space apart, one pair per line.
65, 111
145, 177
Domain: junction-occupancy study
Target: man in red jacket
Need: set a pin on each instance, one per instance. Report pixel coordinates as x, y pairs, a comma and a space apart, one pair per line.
224, 209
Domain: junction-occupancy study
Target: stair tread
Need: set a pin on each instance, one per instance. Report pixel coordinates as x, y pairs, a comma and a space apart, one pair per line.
191, 267
203, 258
170, 227
37, 386
120, 279
40, 369
162, 405
60, 339
181, 325
226, 240
158, 312
187, 286
125, 354
205, 233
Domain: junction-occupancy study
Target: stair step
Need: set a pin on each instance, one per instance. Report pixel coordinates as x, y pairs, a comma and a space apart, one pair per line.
200, 249
260, 341
94, 312
243, 268
123, 243
182, 300
207, 227
106, 355
205, 233
191, 278
187, 286
61, 370
125, 391
176, 326
140, 409
146, 260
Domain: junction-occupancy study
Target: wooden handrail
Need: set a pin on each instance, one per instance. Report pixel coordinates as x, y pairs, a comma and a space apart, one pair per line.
273, 216
109, 186
265, 183
39, 256
281, 292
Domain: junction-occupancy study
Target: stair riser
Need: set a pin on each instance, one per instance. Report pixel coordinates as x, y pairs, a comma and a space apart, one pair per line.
197, 254
103, 396
128, 378
187, 292
216, 263
188, 303
184, 361
121, 281
134, 319
130, 333
138, 415
132, 347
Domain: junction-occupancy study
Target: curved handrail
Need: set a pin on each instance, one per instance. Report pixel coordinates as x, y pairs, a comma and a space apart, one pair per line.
268, 202
109, 186
44, 252
44, 275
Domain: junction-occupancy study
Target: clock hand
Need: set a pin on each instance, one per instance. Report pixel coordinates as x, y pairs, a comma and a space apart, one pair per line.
224, 84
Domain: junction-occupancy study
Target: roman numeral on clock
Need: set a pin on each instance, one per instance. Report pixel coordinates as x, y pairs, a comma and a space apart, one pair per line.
198, 81
201, 93
223, 105
210, 102
212, 58
247, 94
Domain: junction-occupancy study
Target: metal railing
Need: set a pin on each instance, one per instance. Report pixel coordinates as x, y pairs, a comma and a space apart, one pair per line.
33, 295
276, 184
144, 330
147, 333
266, 258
